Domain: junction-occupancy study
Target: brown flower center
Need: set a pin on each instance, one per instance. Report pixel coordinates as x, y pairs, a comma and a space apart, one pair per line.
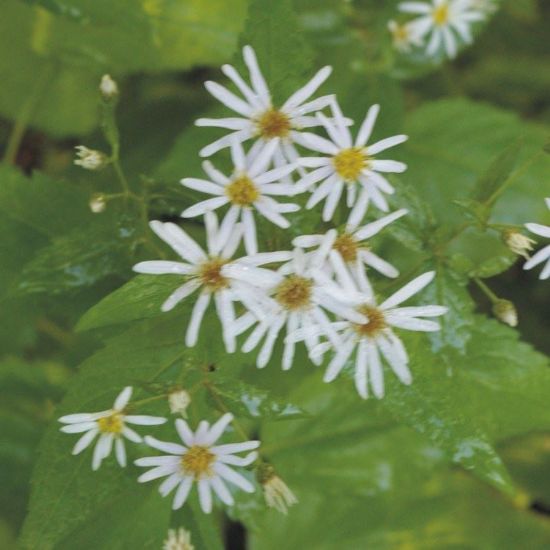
294, 293
376, 321
347, 246
210, 274
197, 461
242, 191
272, 124
112, 424
348, 163
441, 14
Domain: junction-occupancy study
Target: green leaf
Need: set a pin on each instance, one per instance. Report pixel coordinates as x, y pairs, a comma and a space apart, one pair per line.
273, 31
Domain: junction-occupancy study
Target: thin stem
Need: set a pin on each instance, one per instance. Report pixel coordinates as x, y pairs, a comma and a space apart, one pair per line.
121, 177
486, 290
25, 114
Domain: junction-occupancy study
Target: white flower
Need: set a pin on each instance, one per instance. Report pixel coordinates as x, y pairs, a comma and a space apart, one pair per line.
178, 540
250, 188
90, 159
298, 297
443, 19
543, 254
349, 165
351, 249
199, 460
97, 203
276, 492
404, 36
519, 244
213, 272
376, 336
108, 87
111, 426
258, 117
179, 400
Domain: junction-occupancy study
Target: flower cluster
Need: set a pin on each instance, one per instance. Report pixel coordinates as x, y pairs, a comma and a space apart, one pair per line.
438, 25
542, 255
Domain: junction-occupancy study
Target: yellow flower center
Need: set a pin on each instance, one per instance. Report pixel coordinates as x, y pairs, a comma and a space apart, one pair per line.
347, 246
197, 461
211, 276
441, 14
294, 292
242, 191
272, 124
376, 321
348, 163
400, 33
112, 424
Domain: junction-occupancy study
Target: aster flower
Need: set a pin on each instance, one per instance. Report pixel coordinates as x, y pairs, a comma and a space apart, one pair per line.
250, 188
443, 20
351, 253
349, 165
376, 337
90, 159
277, 494
179, 539
298, 297
199, 460
543, 254
404, 36
110, 426
258, 117
213, 273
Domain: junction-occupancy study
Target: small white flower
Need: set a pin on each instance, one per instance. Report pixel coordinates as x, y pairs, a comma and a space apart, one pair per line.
258, 117
97, 203
178, 540
199, 460
443, 20
108, 87
351, 250
111, 426
276, 492
404, 36
179, 400
213, 272
349, 165
518, 243
298, 297
543, 254
90, 159
376, 336
250, 188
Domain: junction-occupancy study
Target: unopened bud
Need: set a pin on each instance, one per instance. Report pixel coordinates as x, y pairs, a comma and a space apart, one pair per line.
179, 400
97, 203
90, 159
108, 87
505, 311
276, 492
518, 243
179, 539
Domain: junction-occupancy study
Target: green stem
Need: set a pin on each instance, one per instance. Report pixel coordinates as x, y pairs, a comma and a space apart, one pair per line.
486, 290
121, 177
26, 112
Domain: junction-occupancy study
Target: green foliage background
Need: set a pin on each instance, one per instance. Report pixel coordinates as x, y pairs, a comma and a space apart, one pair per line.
460, 459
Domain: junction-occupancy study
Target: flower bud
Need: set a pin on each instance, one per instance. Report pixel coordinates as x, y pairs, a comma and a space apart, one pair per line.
505, 311
276, 492
518, 243
97, 203
178, 401
90, 159
179, 539
108, 87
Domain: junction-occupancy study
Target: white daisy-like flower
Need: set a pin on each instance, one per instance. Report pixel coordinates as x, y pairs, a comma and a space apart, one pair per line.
110, 426
443, 20
404, 36
258, 117
249, 189
543, 254
350, 165
376, 337
213, 273
179, 539
199, 460
298, 298
351, 253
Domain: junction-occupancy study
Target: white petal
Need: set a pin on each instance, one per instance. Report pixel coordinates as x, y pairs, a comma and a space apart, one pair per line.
123, 398
263, 207
409, 323
371, 229
221, 490
228, 98
368, 124
196, 319
249, 225
538, 229
84, 441
339, 360
376, 374
217, 429
314, 142
256, 77
79, 427
161, 267
298, 97
203, 186
384, 144
169, 484
415, 7
359, 210
214, 174
408, 290
178, 239
233, 477
313, 177
182, 493
263, 158
130, 434
361, 372
392, 166
200, 208
120, 452
205, 495
225, 141
419, 311
165, 446
144, 420
332, 201
378, 263
230, 123
271, 337
155, 473
179, 294
538, 258
249, 94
